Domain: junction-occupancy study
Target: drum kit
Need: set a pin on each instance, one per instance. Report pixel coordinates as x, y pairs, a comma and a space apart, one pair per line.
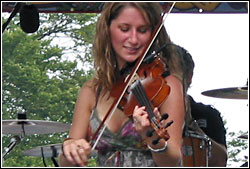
23, 127
197, 147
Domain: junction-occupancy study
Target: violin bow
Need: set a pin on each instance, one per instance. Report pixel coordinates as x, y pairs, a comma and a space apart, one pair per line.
129, 80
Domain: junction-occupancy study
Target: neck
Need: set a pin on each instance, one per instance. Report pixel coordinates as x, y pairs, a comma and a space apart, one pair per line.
127, 68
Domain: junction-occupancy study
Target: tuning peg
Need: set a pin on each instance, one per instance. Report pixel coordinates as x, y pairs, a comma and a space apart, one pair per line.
150, 133
156, 141
164, 116
169, 124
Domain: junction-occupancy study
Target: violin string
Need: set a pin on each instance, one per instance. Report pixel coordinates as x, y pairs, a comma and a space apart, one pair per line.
140, 97
141, 92
143, 100
148, 105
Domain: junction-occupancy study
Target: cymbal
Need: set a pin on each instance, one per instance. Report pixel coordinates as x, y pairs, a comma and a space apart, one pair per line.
244, 136
52, 150
30, 127
228, 93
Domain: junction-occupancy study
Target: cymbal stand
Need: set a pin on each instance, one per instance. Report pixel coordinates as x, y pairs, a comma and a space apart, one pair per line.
44, 162
54, 154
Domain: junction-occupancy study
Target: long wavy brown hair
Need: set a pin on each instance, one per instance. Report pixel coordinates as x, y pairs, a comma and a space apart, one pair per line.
105, 63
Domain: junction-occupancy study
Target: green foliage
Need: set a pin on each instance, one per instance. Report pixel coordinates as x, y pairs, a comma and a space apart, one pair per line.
79, 28
235, 146
37, 80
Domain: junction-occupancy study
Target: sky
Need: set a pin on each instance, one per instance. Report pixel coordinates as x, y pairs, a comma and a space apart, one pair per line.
219, 45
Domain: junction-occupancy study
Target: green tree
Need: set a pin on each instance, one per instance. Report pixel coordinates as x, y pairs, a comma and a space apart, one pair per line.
235, 146
36, 80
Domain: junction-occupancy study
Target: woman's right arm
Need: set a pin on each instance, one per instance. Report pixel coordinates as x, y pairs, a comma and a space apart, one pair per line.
76, 150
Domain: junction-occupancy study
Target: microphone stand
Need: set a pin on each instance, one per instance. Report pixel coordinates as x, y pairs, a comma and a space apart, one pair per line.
13, 142
16, 9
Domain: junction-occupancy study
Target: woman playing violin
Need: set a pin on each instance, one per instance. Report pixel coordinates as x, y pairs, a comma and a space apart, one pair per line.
123, 30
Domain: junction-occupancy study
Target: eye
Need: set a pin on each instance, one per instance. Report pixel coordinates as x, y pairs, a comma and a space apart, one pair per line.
124, 28
144, 29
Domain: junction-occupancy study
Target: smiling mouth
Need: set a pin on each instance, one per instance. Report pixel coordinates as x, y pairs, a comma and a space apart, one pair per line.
132, 50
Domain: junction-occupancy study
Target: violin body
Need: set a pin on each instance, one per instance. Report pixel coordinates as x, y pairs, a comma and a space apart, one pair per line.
155, 87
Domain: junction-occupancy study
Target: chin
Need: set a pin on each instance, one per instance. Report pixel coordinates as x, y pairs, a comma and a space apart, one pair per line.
132, 59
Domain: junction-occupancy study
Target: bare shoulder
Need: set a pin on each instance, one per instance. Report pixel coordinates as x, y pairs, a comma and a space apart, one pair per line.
82, 111
88, 86
176, 96
87, 94
173, 82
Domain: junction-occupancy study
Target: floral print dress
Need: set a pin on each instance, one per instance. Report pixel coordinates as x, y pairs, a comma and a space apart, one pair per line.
122, 149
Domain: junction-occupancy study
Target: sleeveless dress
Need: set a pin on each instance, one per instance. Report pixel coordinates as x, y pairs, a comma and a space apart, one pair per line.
122, 149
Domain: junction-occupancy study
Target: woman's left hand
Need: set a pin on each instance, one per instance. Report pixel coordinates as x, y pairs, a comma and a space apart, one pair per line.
141, 119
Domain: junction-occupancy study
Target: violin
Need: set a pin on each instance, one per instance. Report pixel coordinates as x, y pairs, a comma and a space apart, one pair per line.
148, 89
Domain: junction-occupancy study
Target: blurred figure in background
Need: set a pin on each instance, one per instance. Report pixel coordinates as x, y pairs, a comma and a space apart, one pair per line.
207, 118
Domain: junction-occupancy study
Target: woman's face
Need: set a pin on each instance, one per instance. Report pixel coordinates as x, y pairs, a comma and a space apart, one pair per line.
130, 33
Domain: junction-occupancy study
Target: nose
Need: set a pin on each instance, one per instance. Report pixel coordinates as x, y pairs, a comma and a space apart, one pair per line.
133, 38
